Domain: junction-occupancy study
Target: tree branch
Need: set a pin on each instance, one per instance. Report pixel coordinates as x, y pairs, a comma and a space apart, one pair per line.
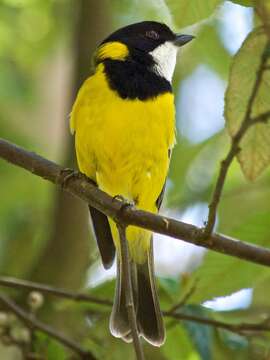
182, 301
171, 313
46, 289
35, 324
240, 328
86, 191
129, 293
235, 148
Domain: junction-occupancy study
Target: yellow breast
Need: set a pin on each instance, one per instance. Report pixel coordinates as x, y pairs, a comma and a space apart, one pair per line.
123, 144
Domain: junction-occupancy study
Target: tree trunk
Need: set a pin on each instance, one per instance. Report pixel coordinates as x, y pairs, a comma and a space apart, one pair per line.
66, 256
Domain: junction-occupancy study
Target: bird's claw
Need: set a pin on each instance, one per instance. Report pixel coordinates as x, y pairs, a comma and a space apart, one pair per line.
67, 174
125, 202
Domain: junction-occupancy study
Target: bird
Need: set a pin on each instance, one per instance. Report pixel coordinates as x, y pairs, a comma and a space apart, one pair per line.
123, 120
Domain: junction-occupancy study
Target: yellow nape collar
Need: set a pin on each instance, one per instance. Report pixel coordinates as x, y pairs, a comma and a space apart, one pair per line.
112, 50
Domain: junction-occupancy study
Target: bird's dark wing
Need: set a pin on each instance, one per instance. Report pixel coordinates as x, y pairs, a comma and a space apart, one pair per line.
103, 235
161, 195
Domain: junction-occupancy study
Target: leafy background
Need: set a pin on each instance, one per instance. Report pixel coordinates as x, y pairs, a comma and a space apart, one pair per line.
45, 53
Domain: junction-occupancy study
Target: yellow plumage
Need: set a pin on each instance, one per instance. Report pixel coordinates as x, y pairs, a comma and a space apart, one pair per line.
123, 120
123, 145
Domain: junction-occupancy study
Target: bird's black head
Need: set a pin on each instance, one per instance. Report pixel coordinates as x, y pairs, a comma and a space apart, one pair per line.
150, 43
146, 36
142, 53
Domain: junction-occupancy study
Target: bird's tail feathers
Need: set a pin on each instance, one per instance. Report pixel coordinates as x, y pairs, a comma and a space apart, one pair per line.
148, 313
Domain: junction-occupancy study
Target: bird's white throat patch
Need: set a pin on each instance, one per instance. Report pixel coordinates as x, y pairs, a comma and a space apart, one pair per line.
165, 58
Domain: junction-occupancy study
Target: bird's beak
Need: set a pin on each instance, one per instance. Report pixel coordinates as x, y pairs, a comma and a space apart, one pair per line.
181, 39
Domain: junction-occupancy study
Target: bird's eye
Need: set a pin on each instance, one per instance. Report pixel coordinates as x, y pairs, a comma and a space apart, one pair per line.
152, 34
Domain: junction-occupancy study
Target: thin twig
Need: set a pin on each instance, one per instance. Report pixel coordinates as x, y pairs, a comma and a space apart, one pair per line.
46, 289
33, 323
182, 301
129, 293
236, 328
177, 315
86, 191
234, 149
262, 118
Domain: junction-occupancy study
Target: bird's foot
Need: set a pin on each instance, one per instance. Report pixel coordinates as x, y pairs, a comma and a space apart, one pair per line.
126, 203
68, 174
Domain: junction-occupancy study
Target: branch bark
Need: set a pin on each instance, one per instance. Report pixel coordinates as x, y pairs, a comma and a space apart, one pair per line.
85, 190
80, 187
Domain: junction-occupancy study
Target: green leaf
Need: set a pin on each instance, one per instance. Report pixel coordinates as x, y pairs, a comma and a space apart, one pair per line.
244, 2
171, 285
210, 49
153, 352
261, 292
221, 275
201, 335
188, 12
49, 348
254, 156
180, 12
189, 165
102, 344
138, 11
230, 346
232, 340
183, 155
104, 290
207, 49
178, 344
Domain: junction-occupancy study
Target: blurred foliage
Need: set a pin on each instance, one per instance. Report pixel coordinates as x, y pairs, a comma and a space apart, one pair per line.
244, 2
50, 349
32, 35
28, 31
187, 13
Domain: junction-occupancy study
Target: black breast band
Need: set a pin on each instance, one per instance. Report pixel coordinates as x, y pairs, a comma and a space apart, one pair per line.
133, 80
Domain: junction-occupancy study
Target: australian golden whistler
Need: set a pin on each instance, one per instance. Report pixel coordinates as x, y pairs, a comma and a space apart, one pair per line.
124, 125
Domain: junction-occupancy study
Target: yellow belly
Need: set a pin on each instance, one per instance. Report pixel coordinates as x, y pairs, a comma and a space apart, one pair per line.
123, 145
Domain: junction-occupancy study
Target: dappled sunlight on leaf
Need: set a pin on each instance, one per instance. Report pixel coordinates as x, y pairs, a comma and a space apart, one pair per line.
254, 156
